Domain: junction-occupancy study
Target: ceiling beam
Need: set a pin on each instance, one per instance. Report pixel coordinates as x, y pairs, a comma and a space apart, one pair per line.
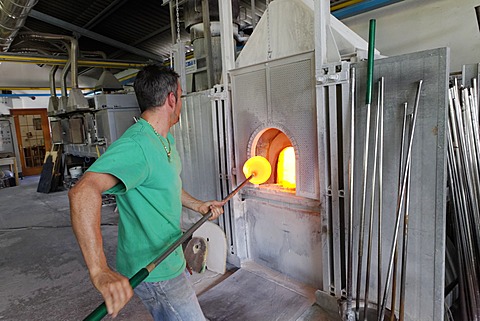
141, 40
102, 15
61, 60
93, 35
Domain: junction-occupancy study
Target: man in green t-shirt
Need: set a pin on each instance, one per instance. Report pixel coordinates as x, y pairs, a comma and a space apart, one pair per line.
142, 168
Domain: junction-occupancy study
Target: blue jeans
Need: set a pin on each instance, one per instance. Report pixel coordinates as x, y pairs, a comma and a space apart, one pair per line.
171, 300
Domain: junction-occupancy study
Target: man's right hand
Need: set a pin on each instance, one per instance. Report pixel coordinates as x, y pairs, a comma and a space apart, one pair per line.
115, 289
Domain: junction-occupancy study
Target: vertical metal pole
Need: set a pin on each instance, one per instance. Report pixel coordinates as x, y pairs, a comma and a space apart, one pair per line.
179, 63
227, 47
172, 20
400, 201
368, 101
208, 42
228, 63
403, 277
380, 193
322, 14
254, 14
350, 316
400, 174
372, 208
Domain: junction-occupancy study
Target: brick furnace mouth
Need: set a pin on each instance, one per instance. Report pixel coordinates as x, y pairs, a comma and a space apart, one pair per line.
275, 145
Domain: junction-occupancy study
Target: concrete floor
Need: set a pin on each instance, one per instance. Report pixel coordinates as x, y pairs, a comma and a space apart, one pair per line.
43, 276
42, 273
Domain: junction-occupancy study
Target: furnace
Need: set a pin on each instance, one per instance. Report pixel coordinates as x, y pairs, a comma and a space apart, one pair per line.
274, 116
277, 148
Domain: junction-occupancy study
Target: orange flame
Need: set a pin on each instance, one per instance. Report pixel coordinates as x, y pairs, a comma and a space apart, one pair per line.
286, 168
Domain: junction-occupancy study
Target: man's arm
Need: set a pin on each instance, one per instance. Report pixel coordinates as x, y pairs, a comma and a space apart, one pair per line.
85, 212
202, 207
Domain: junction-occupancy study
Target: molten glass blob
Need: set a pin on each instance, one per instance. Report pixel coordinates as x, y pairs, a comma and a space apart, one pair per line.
286, 168
259, 167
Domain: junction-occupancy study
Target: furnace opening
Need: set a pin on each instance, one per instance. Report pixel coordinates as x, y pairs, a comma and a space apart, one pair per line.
277, 148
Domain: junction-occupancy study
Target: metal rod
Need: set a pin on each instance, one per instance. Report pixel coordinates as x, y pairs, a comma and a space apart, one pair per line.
463, 235
350, 316
254, 14
380, 195
368, 101
400, 173
464, 204
403, 276
362, 213
208, 42
400, 201
171, 6
372, 207
143, 273
457, 205
190, 231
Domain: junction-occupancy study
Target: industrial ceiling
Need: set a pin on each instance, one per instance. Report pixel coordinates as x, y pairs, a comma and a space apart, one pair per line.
124, 30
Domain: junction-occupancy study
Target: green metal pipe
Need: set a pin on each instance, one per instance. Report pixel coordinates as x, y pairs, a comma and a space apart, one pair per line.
141, 275
371, 57
101, 310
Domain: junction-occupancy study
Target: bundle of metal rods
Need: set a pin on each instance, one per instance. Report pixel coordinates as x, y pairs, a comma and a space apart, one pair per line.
463, 139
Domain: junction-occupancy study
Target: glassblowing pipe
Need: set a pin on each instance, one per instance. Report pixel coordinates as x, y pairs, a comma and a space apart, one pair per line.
400, 173
258, 169
142, 274
381, 313
370, 63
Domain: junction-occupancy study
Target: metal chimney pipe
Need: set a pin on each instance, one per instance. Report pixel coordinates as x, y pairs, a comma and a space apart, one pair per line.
53, 87
13, 14
73, 52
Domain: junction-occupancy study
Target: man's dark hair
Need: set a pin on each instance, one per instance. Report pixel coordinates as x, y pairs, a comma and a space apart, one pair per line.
153, 84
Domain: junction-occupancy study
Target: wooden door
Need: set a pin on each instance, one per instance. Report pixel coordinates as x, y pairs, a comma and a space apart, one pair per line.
33, 135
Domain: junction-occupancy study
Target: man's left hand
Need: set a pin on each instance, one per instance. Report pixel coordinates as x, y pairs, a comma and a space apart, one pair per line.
216, 207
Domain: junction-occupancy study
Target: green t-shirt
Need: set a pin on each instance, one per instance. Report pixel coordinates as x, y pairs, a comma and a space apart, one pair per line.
148, 200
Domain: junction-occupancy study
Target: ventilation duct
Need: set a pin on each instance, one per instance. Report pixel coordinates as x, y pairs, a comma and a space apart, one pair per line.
13, 14
75, 100
107, 81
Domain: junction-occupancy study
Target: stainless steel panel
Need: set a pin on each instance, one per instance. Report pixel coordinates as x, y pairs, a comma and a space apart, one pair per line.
279, 94
194, 141
112, 123
292, 106
426, 248
223, 142
115, 101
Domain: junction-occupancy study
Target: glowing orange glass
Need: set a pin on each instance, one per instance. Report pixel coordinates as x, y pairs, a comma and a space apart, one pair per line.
286, 168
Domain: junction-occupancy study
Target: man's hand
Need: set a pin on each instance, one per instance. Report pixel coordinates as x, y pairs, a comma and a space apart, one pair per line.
215, 206
115, 289
202, 207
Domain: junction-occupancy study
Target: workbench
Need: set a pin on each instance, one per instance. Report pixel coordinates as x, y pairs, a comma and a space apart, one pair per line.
12, 162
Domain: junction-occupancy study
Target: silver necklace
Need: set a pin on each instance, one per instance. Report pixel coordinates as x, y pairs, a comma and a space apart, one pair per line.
160, 137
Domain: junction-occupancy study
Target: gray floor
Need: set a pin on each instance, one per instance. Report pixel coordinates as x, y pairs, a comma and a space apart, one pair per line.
43, 276
42, 273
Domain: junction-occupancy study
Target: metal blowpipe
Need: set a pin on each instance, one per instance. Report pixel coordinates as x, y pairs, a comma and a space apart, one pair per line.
258, 169
401, 196
368, 101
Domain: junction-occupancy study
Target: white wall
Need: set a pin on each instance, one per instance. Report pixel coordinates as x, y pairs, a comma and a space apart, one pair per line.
415, 25
5, 105
30, 75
